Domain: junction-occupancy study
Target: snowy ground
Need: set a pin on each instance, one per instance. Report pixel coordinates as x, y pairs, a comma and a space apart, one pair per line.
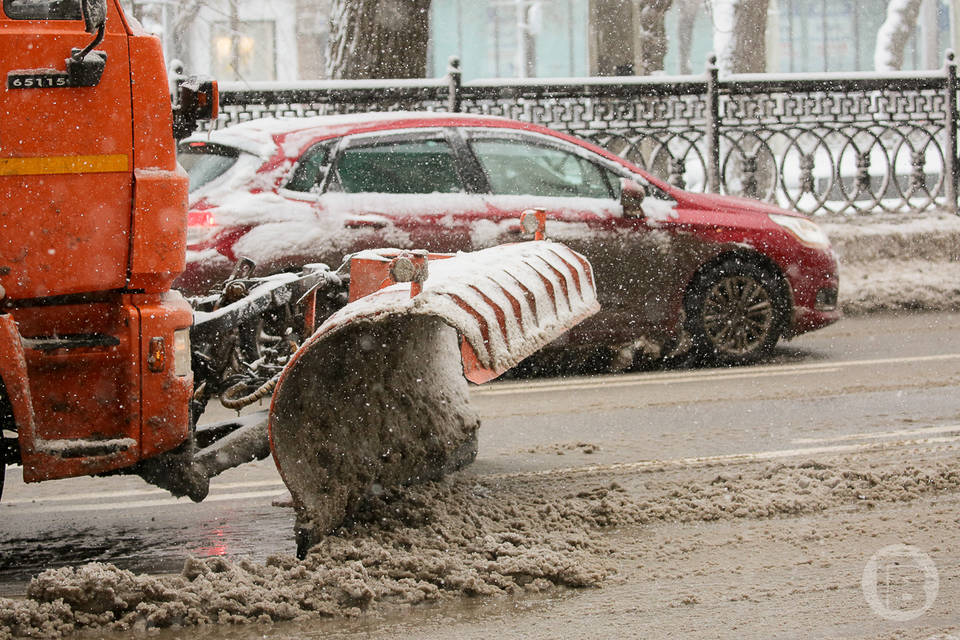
693, 552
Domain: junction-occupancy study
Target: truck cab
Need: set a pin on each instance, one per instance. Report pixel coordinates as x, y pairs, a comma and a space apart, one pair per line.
94, 346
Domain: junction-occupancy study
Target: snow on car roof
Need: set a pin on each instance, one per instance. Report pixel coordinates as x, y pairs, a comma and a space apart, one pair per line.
261, 137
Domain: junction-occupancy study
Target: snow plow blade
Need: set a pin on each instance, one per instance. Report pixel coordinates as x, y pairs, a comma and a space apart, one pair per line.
377, 397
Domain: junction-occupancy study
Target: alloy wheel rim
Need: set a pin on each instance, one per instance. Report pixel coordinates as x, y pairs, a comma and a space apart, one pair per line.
738, 315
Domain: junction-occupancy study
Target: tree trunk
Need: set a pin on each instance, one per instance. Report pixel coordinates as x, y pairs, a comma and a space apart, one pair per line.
312, 24
378, 39
741, 35
650, 35
628, 36
686, 19
894, 33
611, 34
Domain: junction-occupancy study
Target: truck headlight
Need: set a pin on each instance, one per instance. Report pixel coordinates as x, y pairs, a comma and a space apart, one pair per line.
181, 352
807, 232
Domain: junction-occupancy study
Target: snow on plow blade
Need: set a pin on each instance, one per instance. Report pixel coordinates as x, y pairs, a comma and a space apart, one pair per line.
377, 397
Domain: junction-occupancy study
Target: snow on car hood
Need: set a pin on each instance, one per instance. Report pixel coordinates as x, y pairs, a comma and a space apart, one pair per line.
732, 204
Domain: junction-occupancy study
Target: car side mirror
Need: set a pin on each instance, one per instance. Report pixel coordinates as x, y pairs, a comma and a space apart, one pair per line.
632, 194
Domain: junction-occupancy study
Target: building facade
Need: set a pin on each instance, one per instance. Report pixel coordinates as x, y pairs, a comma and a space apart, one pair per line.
285, 40
550, 38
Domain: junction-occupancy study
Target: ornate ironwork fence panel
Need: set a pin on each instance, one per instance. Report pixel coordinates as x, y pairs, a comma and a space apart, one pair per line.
815, 143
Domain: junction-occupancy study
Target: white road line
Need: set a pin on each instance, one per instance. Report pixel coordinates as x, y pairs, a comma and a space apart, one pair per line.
732, 458
41, 507
652, 380
72, 497
902, 433
638, 379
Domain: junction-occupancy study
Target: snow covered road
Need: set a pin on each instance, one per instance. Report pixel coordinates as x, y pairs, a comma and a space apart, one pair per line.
723, 495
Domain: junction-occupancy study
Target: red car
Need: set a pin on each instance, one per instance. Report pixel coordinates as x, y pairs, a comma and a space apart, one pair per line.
727, 276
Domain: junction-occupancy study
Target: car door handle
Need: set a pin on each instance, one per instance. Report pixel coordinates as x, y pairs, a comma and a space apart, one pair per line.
362, 223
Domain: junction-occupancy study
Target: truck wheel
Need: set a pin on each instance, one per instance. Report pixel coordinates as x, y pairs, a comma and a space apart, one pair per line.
734, 313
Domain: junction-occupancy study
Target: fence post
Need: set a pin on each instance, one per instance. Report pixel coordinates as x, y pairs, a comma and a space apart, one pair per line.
713, 125
454, 80
950, 152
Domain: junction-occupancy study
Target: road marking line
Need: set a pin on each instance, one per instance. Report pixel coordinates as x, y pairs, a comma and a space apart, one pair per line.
731, 458
633, 382
278, 487
697, 376
142, 504
40, 507
880, 434
71, 497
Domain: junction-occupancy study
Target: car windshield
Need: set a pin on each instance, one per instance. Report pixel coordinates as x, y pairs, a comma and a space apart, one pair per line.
42, 9
206, 161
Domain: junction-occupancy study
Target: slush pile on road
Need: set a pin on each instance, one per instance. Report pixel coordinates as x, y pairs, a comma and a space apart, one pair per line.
470, 536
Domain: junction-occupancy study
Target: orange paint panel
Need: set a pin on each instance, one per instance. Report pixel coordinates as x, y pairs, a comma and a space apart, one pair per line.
152, 117
165, 410
159, 229
64, 223
84, 392
61, 235
13, 371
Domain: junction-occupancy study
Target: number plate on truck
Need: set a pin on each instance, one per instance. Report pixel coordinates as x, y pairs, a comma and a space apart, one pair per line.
37, 80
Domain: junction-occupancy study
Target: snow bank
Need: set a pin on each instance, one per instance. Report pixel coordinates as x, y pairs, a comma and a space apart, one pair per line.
897, 261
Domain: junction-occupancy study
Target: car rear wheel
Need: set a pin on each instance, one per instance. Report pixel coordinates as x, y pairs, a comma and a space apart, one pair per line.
734, 312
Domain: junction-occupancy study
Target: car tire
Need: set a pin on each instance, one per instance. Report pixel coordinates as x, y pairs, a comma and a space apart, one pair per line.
735, 312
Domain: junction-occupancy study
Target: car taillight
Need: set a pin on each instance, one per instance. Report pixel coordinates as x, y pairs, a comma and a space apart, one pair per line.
201, 219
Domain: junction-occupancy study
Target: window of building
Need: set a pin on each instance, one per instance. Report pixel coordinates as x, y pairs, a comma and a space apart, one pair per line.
243, 50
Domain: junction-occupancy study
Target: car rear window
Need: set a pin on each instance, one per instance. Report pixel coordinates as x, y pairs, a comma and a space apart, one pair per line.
206, 161
422, 166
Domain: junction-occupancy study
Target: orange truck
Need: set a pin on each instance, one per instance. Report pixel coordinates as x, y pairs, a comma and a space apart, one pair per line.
104, 369
94, 350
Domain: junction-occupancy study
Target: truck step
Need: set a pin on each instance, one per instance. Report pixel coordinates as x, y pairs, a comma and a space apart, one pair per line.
81, 448
73, 341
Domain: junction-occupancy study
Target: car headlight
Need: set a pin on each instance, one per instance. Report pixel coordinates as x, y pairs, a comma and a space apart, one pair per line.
807, 232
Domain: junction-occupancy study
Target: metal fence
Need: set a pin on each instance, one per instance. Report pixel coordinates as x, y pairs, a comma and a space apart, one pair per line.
818, 143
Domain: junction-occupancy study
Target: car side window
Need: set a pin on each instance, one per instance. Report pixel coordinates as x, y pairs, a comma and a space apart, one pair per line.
312, 168
42, 9
414, 166
518, 168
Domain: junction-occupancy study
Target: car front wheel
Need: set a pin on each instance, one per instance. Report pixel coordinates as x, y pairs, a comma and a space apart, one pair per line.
734, 312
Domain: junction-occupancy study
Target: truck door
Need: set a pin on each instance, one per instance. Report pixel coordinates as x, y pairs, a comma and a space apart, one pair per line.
65, 155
